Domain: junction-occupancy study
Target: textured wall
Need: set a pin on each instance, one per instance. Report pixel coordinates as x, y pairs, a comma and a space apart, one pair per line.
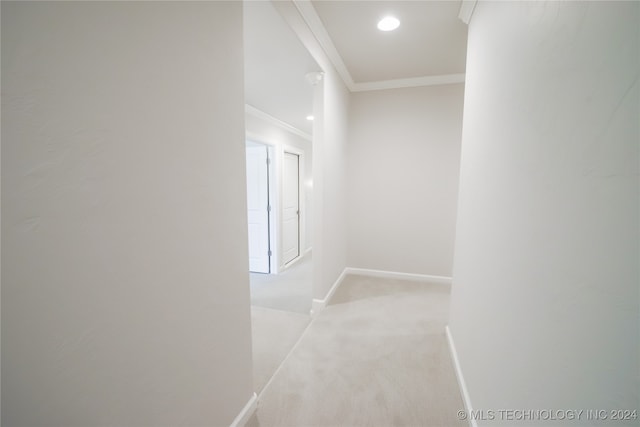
124, 281
545, 287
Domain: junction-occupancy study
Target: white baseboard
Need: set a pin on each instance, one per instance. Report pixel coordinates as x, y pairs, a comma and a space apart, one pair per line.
463, 386
296, 259
317, 305
308, 250
396, 275
246, 413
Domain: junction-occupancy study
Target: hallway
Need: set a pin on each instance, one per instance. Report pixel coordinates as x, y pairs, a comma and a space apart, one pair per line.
289, 290
377, 355
280, 305
501, 157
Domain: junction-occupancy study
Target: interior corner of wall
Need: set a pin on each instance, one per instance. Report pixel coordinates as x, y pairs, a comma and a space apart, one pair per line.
466, 10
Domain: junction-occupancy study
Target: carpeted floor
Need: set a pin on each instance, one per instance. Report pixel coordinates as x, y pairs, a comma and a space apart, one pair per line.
274, 333
376, 356
289, 291
280, 306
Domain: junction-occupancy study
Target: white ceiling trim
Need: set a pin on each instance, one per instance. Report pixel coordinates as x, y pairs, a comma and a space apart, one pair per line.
250, 109
445, 79
310, 16
314, 22
466, 10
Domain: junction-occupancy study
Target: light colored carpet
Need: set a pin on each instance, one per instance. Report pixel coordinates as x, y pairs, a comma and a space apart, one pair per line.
274, 334
289, 291
376, 356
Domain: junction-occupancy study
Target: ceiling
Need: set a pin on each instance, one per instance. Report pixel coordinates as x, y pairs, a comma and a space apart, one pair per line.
429, 47
275, 65
430, 41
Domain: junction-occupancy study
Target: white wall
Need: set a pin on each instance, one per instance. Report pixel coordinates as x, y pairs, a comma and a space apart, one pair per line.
330, 189
330, 126
264, 131
125, 292
545, 303
404, 163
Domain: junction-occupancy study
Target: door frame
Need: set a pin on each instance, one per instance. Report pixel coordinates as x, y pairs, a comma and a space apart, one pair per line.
302, 218
264, 196
276, 187
274, 201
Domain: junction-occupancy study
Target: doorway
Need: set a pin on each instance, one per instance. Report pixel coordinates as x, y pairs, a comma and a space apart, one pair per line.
278, 100
276, 206
259, 207
291, 207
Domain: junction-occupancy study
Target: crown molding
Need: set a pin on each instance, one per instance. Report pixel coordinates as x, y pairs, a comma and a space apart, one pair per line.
313, 21
310, 16
250, 109
466, 10
445, 79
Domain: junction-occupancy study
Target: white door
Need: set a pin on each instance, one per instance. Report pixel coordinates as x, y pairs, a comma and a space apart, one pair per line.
258, 208
291, 208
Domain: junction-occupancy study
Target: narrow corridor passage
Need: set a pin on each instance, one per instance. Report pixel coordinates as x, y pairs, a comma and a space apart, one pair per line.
376, 356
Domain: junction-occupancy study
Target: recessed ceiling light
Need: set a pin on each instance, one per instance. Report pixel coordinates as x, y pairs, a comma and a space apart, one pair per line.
310, 118
388, 23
